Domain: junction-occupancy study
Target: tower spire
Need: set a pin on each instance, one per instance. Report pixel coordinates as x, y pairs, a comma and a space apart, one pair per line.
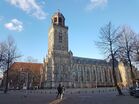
58, 10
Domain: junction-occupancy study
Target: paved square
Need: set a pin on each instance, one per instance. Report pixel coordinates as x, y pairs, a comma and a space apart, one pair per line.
74, 97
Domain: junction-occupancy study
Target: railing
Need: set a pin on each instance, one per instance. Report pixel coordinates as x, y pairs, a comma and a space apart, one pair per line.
71, 91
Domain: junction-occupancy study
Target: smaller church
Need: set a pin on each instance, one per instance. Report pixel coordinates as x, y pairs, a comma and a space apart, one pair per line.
61, 66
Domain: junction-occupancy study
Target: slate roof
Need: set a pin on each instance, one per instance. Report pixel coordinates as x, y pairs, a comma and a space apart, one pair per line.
81, 60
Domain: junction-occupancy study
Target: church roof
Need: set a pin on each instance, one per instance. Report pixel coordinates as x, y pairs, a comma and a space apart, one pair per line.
82, 60
35, 67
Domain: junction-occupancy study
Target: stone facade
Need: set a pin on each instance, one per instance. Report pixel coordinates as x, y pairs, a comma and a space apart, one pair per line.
60, 66
1, 81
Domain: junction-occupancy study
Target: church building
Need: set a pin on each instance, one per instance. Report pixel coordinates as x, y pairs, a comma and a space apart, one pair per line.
61, 66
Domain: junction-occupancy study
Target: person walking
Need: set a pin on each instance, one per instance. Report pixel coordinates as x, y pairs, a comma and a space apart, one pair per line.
63, 89
60, 90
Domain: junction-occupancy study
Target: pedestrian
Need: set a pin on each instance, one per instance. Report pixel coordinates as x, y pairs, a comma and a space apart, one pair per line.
63, 88
60, 91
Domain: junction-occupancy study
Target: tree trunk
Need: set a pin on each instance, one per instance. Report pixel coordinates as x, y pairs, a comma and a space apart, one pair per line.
131, 70
114, 76
6, 80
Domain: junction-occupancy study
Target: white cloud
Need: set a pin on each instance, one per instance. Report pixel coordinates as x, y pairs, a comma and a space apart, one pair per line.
30, 7
96, 3
14, 25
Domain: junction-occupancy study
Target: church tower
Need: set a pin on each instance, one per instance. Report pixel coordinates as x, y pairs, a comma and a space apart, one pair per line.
58, 59
58, 34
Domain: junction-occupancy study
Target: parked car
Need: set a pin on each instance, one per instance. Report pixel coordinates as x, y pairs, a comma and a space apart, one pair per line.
136, 94
132, 91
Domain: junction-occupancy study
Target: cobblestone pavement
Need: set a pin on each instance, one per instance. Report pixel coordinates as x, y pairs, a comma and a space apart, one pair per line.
100, 99
41, 97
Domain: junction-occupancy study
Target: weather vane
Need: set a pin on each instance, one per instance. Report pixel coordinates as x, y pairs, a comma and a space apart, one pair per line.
58, 10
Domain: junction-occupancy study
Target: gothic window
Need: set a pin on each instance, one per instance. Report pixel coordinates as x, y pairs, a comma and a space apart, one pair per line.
105, 73
81, 75
94, 73
100, 76
88, 77
82, 78
76, 76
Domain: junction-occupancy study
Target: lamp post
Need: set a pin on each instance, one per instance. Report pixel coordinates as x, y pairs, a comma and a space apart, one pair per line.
96, 76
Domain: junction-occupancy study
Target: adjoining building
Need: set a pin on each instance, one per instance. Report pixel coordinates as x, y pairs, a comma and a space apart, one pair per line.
60, 66
24, 75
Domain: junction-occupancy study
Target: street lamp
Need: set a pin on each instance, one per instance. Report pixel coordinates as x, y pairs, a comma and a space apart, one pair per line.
96, 76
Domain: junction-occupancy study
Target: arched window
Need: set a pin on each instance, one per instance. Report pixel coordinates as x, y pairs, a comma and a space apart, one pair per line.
55, 19
60, 20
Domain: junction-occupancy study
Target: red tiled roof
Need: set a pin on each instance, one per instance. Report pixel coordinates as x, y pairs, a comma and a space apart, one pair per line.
26, 65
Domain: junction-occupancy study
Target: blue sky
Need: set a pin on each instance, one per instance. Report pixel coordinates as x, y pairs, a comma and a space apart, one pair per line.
28, 22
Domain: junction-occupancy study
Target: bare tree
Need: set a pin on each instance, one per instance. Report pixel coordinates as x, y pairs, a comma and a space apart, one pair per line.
9, 55
136, 49
2, 54
108, 39
126, 45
